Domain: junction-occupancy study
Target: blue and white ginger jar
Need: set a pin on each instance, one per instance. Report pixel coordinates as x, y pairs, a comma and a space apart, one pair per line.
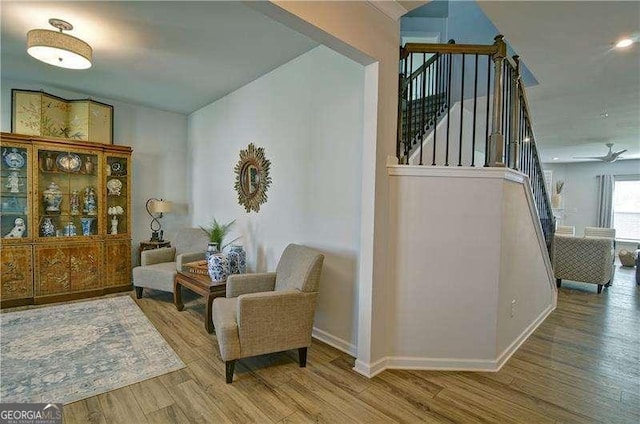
237, 259
218, 265
47, 229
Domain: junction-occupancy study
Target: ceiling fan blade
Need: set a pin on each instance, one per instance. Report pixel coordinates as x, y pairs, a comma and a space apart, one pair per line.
590, 157
619, 153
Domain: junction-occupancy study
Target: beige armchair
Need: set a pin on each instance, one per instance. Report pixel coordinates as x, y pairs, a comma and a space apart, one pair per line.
588, 259
269, 312
158, 267
600, 232
567, 230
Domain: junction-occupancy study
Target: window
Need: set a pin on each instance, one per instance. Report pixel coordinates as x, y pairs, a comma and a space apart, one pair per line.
626, 208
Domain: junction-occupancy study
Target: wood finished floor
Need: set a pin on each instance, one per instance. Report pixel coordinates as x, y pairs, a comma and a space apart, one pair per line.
581, 366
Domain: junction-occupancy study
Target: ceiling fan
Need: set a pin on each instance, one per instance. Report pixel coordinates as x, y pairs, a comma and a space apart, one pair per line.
611, 156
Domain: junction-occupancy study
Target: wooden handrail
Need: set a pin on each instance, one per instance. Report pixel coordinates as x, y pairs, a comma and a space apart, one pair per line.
448, 48
417, 72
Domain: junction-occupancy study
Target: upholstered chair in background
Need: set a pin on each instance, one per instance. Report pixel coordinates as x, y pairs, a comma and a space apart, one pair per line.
269, 312
585, 259
158, 267
567, 230
600, 232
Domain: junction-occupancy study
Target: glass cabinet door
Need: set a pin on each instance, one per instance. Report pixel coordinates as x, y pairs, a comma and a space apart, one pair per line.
117, 215
68, 193
15, 188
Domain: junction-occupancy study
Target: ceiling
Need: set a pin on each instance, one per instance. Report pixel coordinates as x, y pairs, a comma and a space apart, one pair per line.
568, 46
174, 56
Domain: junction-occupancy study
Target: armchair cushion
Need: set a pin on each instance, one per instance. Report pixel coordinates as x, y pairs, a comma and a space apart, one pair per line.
238, 284
156, 256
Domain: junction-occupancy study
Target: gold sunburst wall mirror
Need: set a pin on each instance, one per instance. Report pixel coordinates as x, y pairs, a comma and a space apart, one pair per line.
252, 178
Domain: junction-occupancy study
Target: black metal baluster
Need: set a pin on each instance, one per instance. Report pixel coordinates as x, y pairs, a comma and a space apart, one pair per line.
446, 155
435, 120
475, 109
461, 110
486, 140
423, 111
410, 109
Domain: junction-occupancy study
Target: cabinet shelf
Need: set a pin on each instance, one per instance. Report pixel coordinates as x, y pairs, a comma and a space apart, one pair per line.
10, 194
58, 172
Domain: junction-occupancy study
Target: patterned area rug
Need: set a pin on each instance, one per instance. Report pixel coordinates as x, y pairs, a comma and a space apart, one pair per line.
70, 352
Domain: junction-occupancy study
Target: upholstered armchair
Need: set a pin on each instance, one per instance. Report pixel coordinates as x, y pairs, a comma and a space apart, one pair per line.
269, 312
158, 267
585, 259
601, 232
567, 230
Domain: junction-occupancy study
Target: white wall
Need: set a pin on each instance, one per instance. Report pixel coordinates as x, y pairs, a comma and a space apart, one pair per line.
465, 242
158, 139
363, 33
454, 140
580, 192
523, 269
308, 116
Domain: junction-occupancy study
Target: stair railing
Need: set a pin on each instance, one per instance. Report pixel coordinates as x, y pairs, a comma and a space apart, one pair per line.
432, 78
486, 87
521, 151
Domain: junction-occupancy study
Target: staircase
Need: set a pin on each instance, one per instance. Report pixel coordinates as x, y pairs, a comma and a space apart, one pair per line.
466, 105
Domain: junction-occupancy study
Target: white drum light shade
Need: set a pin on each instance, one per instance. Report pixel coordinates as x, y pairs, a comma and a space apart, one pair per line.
59, 49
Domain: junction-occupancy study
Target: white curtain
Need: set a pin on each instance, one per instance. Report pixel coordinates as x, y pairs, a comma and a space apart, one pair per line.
605, 200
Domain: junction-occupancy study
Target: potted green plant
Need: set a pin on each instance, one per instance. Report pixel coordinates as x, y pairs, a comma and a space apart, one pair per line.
217, 232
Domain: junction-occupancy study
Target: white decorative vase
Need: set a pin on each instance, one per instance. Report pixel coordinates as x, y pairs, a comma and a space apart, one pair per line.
556, 200
114, 224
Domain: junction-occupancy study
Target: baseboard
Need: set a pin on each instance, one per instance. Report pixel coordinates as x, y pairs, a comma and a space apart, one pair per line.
440, 364
370, 370
513, 347
333, 341
421, 363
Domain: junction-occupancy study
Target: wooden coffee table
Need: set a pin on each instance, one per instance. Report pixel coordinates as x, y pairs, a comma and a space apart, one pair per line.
202, 285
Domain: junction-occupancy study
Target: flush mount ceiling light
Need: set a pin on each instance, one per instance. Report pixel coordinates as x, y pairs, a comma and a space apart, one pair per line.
624, 42
57, 48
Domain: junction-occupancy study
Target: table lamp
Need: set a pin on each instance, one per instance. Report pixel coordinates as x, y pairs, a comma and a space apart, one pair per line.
156, 208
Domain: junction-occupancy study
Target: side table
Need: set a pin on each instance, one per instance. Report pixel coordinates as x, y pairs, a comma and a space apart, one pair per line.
202, 285
149, 245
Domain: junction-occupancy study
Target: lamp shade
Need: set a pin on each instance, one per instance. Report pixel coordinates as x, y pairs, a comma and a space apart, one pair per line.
59, 49
160, 206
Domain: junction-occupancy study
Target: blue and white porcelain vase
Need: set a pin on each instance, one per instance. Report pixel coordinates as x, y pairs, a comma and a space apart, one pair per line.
212, 248
218, 265
13, 159
237, 259
52, 198
87, 223
70, 230
47, 229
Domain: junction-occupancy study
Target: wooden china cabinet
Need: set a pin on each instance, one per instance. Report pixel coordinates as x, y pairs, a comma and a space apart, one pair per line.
65, 219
